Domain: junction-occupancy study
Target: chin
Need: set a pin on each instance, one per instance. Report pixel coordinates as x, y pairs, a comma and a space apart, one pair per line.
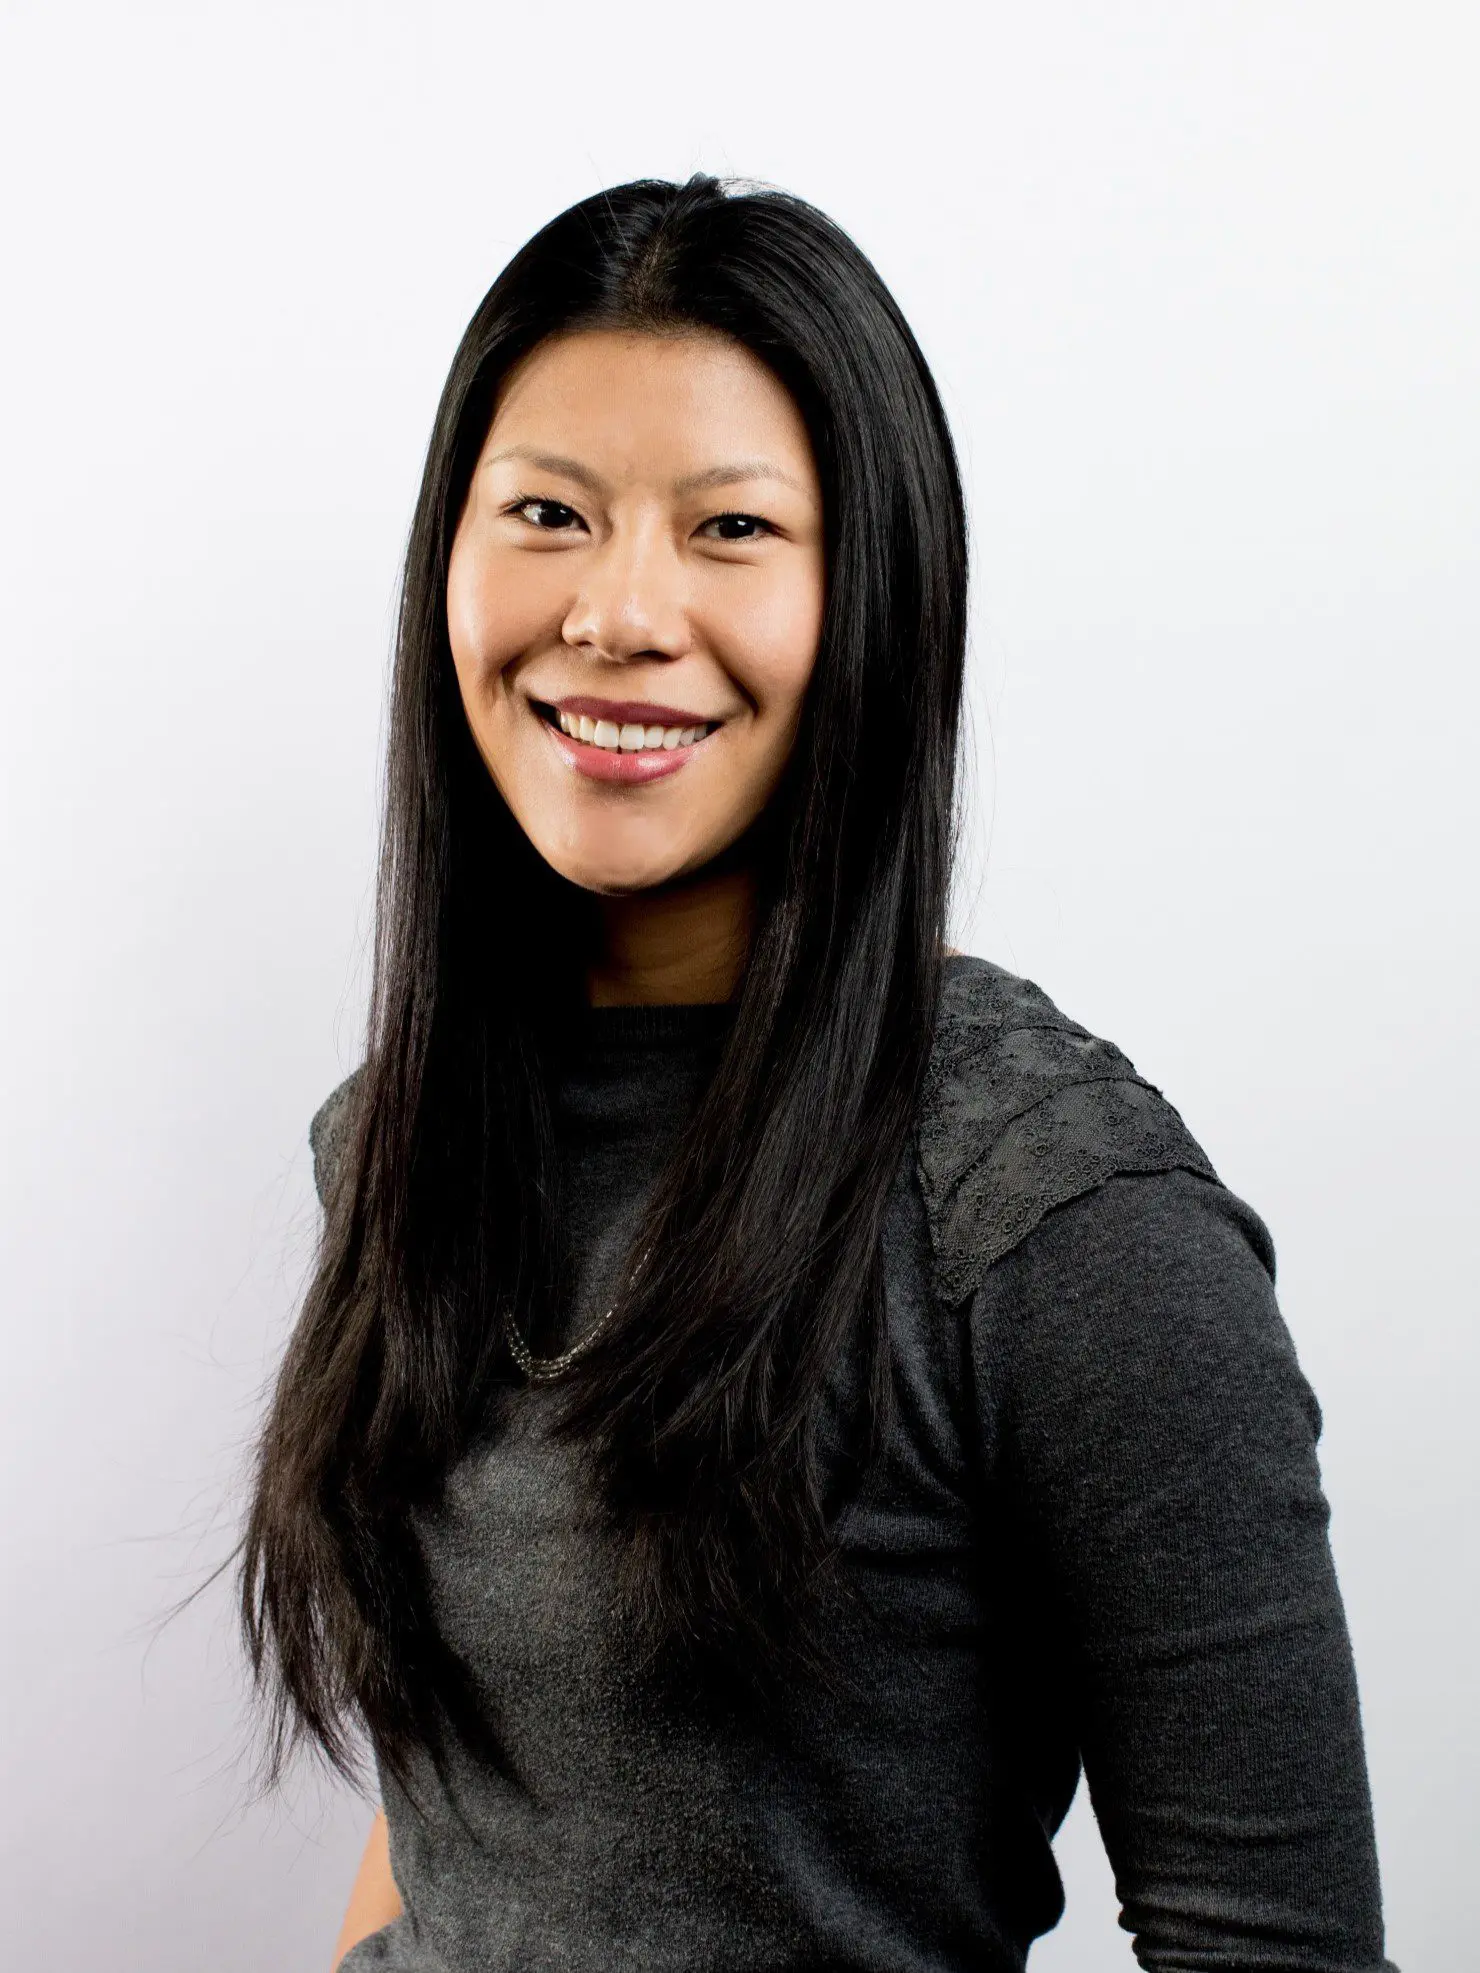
612, 875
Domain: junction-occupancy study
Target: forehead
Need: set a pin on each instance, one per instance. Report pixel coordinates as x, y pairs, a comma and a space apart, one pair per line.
645, 397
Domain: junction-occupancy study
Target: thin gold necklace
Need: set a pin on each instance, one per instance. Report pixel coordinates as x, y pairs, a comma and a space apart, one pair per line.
546, 1369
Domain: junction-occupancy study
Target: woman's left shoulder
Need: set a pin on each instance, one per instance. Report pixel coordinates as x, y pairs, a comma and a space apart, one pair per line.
1022, 1110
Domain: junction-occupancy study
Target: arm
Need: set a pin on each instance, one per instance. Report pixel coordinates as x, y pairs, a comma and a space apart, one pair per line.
1158, 1449
374, 1901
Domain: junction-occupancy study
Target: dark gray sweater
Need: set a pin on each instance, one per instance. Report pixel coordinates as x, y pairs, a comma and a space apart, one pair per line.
1097, 1537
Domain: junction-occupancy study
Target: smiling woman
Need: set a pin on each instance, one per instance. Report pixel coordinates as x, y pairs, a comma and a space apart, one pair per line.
777, 1400
615, 626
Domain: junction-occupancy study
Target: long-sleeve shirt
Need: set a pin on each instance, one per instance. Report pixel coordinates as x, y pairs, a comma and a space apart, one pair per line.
1096, 1542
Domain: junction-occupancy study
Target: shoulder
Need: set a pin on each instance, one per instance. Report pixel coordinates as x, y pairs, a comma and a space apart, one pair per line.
1022, 1110
329, 1133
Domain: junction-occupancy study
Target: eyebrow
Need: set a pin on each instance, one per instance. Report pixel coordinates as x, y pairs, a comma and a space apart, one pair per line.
734, 473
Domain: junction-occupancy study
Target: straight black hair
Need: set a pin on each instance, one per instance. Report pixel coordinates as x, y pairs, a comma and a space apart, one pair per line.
700, 1405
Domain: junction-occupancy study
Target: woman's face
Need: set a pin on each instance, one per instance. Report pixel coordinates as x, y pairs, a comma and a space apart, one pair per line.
635, 597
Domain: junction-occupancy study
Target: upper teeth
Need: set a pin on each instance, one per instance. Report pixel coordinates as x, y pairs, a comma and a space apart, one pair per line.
631, 738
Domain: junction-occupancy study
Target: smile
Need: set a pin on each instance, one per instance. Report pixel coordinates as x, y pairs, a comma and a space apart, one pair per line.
623, 742
631, 737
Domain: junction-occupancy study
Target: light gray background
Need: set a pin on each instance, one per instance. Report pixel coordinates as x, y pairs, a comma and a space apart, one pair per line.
1200, 286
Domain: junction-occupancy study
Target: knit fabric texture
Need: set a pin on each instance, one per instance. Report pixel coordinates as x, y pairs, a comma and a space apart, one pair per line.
1096, 1542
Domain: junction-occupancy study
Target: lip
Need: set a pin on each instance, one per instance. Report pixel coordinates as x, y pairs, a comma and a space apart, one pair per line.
607, 764
631, 712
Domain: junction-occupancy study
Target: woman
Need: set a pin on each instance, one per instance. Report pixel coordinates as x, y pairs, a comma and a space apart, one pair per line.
776, 1398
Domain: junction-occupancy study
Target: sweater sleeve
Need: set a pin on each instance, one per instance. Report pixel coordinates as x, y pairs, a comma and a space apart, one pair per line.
1155, 1440
329, 1135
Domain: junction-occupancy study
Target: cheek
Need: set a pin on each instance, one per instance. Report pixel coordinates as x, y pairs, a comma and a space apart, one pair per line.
492, 617
774, 638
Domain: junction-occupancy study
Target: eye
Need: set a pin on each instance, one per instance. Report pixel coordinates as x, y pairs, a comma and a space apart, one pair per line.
735, 527
549, 516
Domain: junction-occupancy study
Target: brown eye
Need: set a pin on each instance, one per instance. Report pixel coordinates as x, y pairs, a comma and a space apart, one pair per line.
552, 516
736, 527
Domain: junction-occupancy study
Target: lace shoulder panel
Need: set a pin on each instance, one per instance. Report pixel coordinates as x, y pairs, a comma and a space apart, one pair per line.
328, 1134
1023, 1110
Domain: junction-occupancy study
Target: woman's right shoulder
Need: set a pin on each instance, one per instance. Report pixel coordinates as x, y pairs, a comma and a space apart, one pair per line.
329, 1132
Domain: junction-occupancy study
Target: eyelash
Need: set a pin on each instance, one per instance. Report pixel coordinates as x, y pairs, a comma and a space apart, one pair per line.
764, 526
523, 500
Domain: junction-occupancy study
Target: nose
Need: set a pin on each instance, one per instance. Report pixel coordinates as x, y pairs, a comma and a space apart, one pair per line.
631, 602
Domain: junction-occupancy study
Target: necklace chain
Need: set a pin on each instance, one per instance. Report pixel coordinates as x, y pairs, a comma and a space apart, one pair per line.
546, 1369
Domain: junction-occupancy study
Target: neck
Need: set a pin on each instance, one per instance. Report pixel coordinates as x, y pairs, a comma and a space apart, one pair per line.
678, 946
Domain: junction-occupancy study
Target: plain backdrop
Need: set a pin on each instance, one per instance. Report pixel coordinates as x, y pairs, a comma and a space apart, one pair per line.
1199, 283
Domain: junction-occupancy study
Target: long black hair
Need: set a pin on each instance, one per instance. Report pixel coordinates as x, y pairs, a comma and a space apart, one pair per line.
700, 1404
